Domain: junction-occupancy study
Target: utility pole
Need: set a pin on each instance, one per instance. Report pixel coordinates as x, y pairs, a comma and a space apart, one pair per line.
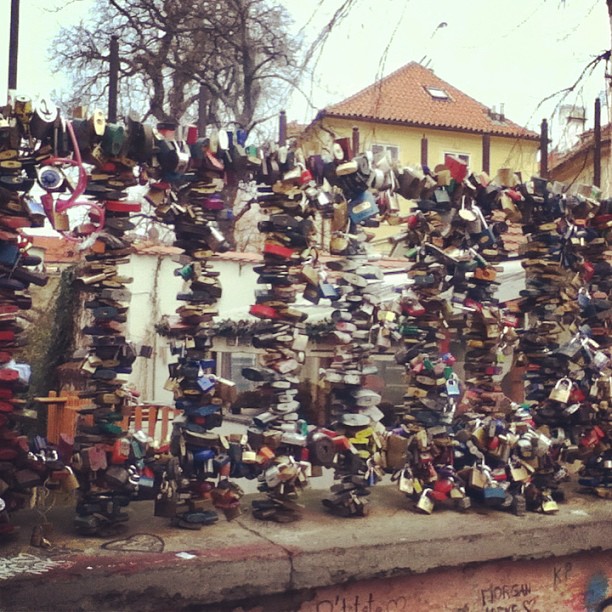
113, 78
282, 129
597, 147
544, 148
13, 45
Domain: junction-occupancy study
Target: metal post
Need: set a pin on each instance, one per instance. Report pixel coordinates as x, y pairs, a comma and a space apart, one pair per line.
113, 78
282, 129
544, 149
486, 153
597, 147
355, 143
424, 151
202, 110
13, 45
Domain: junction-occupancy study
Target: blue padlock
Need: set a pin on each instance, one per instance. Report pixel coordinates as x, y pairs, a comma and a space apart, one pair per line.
206, 383
203, 456
327, 290
362, 207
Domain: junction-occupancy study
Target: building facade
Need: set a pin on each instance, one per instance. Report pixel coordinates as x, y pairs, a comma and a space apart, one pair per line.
419, 119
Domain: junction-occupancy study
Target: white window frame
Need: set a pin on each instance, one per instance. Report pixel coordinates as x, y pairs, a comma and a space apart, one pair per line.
386, 149
457, 154
437, 93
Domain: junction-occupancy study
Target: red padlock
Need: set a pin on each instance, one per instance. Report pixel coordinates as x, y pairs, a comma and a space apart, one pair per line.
305, 177
121, 451
587, 271
443, 485
577, 395
341, 443
413, 221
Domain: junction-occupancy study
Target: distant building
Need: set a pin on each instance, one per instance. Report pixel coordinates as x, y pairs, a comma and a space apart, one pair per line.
575, 166
417, 118
55, 251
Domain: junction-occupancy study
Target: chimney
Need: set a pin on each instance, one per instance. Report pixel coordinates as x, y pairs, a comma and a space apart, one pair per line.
572, 120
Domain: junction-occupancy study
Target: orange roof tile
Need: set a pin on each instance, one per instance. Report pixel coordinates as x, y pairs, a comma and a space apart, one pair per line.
57, 249
154, 248
402, 97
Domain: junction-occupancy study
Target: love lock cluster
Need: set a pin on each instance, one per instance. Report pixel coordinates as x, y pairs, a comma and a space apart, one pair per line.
455, 438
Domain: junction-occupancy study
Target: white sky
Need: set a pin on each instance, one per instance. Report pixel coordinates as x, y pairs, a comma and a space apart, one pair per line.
514, 52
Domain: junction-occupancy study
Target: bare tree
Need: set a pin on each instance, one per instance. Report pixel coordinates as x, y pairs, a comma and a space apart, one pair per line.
220, 60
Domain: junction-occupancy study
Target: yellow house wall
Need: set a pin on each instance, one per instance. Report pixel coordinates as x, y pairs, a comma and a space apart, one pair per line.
518, 154
504, 152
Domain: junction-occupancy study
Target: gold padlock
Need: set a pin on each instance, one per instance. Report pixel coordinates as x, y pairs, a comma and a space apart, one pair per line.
549, 505
561, 391
478, 479
70, 482
61, 221
519, 473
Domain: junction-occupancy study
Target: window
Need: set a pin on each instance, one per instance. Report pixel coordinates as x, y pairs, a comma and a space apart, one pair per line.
232, 364
394, 377
392, 151
437, 94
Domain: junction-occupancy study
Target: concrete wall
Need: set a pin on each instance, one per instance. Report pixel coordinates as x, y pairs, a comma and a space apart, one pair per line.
579, 582
394, 560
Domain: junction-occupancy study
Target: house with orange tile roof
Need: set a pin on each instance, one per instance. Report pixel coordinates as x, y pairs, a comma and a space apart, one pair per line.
417, 118
575, 166
55, 251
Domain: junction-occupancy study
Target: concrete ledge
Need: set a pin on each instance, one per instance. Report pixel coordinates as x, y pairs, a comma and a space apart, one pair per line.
250, 560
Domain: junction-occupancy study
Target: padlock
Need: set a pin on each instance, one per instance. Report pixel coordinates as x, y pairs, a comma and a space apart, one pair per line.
549, 505
561, 391
362, 207
493, 494
70, 483
121, 451
327, 290
452, 386
406, 482
519, 473
478, 479
425, 503
396, 450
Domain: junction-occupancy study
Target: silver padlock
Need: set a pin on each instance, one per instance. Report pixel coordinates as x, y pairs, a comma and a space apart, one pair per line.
452, 386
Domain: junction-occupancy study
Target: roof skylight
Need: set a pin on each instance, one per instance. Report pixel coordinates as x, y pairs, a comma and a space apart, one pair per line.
437, 93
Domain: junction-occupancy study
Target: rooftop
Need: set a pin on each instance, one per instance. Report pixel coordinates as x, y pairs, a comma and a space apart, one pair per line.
56, 248
559, 159
415, 96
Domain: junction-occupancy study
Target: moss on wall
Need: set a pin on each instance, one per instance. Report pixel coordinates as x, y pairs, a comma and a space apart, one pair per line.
49, 334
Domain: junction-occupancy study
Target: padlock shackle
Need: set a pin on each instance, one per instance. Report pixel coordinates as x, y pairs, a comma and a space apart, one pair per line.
62, 205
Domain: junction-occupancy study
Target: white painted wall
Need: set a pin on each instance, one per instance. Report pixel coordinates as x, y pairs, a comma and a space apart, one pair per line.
154, 290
